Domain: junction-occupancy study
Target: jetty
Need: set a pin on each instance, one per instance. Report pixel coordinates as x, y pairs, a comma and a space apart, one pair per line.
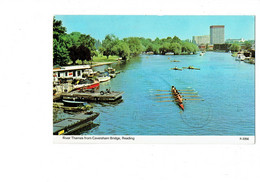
95, 97
101, 64
75, 124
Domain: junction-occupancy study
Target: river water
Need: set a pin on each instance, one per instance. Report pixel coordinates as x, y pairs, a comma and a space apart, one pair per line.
227, 87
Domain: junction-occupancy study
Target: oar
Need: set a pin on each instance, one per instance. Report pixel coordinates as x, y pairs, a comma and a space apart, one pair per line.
190, 96
187, 90
188, 93
162, 97
163, 94
194, 99
165, 101
163, 90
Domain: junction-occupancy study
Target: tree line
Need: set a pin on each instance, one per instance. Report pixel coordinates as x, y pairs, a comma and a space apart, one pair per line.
74, 46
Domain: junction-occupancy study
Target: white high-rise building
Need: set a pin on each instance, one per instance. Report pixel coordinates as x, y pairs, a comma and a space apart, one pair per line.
217, 34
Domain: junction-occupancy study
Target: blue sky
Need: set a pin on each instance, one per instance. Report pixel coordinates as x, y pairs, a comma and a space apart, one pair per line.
147, 26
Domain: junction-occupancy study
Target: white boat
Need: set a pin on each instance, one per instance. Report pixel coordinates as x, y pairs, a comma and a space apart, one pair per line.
240, 57
89, 73
103, 77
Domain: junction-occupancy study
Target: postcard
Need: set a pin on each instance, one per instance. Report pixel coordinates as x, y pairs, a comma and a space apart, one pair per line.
154, 79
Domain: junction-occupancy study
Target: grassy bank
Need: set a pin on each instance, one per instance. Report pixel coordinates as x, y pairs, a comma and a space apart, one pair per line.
97, 59
104, 58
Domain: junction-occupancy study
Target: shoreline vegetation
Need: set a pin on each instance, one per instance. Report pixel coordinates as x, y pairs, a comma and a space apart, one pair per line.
77, 48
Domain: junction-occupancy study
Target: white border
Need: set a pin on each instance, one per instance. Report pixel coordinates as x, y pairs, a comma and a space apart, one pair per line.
27, 149
131, 139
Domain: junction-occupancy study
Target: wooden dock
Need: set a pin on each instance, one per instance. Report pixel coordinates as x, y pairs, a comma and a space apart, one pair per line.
101, 64
75, 124
96, 97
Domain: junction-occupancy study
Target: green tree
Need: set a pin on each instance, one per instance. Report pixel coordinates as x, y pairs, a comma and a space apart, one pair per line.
248, 45
135, 45
88, 42
101, 50
164, 48
60, 44
235, 47
121, 49
176, 40
109, 42
175, 47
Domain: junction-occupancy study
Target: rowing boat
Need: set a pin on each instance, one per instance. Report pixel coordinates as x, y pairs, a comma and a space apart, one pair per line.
179, 102
191, 67
176, 68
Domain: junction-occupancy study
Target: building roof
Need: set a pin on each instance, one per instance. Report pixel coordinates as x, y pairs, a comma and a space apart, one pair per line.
71, 68
217, 26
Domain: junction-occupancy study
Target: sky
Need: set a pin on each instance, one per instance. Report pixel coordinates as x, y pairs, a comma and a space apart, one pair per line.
148, 26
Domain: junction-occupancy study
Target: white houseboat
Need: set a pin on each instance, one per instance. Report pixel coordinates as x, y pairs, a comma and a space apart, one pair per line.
72, 72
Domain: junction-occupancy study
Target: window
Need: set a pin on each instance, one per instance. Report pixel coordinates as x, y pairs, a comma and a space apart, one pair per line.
66, 73
58, 74
74, 73
78, 73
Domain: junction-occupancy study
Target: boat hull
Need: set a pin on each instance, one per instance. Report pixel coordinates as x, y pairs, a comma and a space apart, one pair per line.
87, 86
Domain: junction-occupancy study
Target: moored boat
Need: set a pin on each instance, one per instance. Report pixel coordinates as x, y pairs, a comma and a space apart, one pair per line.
86, 84
240, 57
73, 103
103, 77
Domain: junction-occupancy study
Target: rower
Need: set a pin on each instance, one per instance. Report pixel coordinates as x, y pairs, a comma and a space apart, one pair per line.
174, 90
179, 98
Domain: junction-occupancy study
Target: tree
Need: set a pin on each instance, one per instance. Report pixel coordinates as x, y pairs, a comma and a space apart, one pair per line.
84, 53
89, 42
109, 42
248, 45
235, 47
73, 52
101, 50
176, 39
135, 45
175, 47
164, 48
60, 44
121, 49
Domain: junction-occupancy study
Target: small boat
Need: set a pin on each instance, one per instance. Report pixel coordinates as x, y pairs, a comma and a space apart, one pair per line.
202, 54
103, 77
169, 53
240, 57
191, 67
110, 70
112, 75
175, 61
73, 103
176, 68
89, 73
86, 84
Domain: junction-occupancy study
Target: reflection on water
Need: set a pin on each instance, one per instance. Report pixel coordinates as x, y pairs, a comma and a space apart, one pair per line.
226, 85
